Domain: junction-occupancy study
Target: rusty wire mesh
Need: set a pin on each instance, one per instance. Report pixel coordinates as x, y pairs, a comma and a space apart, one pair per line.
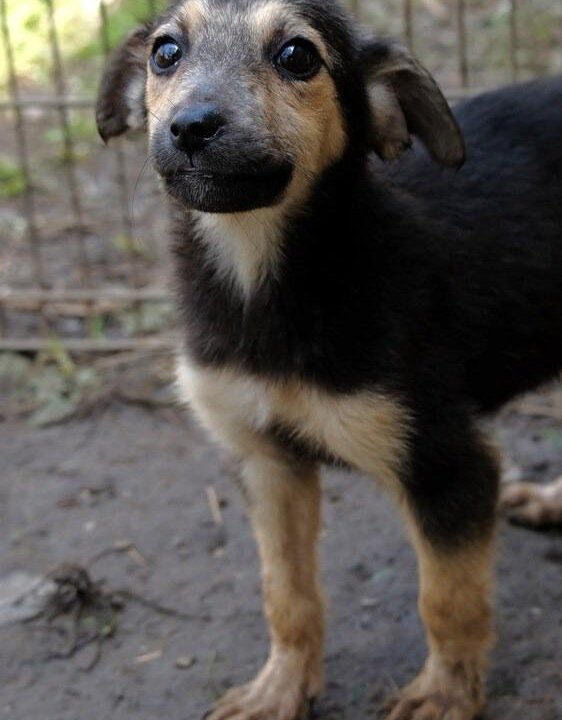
82, 252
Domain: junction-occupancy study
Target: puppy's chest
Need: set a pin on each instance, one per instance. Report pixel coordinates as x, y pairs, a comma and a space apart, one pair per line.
232, 398
264, 333
250, 311
366, 429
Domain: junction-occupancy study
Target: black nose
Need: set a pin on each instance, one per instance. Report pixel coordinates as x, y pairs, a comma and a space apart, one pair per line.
193, 128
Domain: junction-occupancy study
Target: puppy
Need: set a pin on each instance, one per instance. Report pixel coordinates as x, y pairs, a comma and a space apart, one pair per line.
337, 309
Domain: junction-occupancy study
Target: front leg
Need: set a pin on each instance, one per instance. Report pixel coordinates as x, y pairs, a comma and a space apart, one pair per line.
284, 505
450, 505
283, 496
455, 606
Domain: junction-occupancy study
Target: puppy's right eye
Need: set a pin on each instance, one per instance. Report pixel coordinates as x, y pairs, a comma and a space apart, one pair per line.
166, 54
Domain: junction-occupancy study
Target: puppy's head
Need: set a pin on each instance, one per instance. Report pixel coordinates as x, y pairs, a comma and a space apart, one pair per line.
248, 102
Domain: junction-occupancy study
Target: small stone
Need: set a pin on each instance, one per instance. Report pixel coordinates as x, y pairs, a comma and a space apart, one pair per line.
369, 602
24, 596
184, 662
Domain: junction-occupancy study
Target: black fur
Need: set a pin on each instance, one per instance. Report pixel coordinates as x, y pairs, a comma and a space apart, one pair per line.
113, 108
442, 287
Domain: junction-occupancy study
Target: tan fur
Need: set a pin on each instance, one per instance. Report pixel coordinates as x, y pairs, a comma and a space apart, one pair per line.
455, 605
264, 18
455, 589
284, 502
310, 123
191, 15
367, 430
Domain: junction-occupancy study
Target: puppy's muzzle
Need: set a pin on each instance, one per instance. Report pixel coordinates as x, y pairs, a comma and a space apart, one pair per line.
214, 162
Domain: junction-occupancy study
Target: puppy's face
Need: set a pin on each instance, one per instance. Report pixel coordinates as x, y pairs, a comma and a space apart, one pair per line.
247, 102
242, 110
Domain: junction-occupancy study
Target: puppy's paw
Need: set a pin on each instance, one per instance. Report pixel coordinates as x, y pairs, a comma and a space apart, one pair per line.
440, 693
533, 505
284, 690
435, 706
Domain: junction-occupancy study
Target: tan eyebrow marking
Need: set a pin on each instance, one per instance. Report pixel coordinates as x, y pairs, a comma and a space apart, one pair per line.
266, 19
192, 14
264, 16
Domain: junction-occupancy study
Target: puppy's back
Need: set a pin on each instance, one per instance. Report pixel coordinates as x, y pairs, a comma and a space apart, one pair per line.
501, 239
513, 173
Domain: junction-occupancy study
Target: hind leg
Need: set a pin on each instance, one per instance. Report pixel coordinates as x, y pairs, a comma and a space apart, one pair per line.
533, 505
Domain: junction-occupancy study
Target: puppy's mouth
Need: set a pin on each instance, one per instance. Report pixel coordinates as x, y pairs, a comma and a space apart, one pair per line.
213, 191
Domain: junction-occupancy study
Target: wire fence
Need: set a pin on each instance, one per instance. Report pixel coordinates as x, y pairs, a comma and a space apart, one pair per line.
83, 259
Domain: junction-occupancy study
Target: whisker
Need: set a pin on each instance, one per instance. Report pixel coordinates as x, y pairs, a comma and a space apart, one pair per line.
135, 99
172, 104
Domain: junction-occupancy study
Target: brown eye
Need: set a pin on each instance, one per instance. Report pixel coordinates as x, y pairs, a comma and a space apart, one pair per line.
166, 53
298, 59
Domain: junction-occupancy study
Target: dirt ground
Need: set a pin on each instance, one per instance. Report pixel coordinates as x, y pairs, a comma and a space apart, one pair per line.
124, 492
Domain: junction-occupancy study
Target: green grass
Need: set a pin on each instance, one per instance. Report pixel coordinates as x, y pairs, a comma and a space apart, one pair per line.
12, 182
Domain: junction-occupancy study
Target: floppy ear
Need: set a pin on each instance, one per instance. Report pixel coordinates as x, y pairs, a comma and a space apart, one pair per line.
120, 103
405, 100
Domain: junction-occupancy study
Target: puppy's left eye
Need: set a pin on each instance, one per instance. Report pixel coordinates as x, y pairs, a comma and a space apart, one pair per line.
298, 59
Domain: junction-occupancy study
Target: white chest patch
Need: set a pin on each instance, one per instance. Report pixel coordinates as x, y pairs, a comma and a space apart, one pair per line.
244, 248
367, 429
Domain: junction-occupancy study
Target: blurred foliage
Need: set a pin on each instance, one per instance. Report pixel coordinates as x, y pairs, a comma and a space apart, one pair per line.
12, 182
82, 129
52, 388
84, 135
48, 390
79, 30
149, 318
133, 248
